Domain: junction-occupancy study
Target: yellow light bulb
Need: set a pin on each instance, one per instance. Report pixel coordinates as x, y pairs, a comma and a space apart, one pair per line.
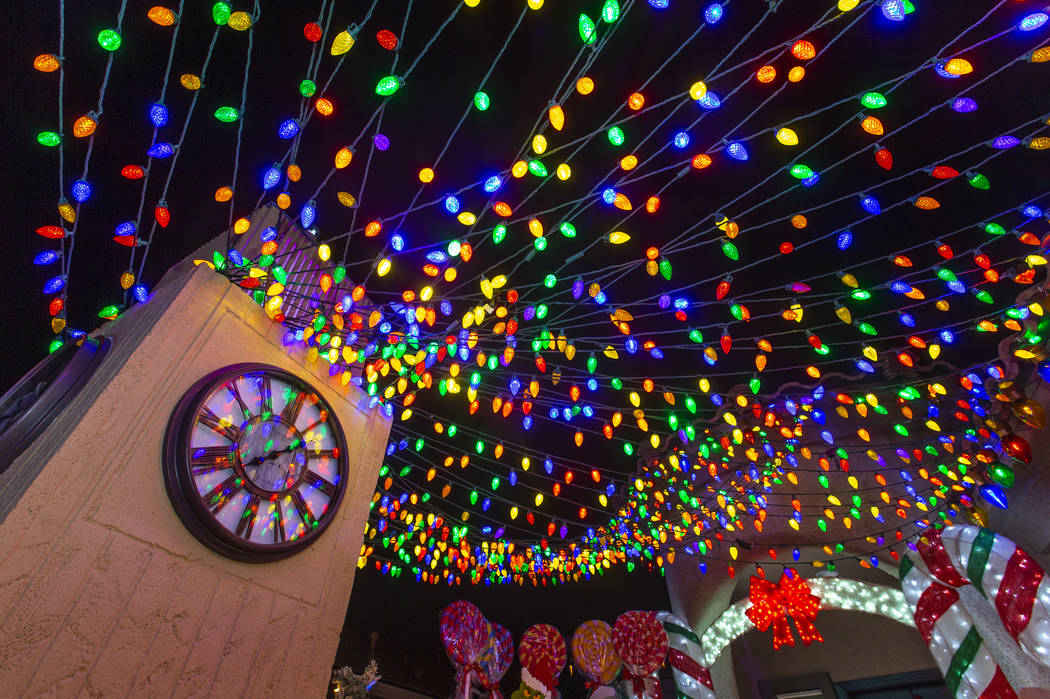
162, 16
346, 199
535, 4
618, 237
239, 21
556, 116
343, 157
519, 169
342, 43
697, 90
787, 137
190, 81
426, 175
383, 267
563, 172
585, 86
539, 144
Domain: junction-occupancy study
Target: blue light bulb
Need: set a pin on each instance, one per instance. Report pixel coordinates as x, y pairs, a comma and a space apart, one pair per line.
660, 4
269, 233
811, 180
288, 128
493, 184
140, 292
125, 228
158, 114
1032, 211
46, 257
938, 67
308, 213
713, 14
681, 140
963, 105
844, 240
81, 191
870, 204
710, 100
947, 337
451, 204
608, 195
736, 151
906, 319
54, 284
397, 242
900, 287
893, 10
161, 150
1004, 142
1032, 21
271, 177
865, 366
994, 495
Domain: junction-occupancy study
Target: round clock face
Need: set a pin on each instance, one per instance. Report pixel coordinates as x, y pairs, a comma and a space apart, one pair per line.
254, 462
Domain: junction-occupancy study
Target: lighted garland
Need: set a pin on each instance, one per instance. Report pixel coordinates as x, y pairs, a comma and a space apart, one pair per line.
709, 458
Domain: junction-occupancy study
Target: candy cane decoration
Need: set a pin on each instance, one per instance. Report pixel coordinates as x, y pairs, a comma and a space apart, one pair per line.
963, 658
691, 677
1008, 577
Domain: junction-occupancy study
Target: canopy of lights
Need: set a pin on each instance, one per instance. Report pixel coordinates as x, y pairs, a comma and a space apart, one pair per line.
637, 281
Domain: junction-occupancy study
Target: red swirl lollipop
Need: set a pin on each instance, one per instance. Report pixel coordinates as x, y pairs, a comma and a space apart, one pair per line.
465, 634
542, 652
640, 640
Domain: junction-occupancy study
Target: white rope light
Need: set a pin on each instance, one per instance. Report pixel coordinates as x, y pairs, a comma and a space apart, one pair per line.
834, 593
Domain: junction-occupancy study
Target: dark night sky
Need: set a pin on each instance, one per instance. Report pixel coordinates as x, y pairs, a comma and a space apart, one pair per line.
402, 611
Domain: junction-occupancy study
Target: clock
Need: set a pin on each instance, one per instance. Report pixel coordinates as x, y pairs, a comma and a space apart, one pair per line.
32, 403
255, 462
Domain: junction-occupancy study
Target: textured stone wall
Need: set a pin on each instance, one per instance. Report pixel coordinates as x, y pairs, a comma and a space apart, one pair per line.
103, 592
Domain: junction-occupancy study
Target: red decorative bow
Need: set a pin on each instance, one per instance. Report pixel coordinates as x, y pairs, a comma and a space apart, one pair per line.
774, 603
644, 685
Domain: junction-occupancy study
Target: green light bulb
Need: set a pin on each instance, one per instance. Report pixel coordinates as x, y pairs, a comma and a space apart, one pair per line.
801, 171
994, 229
610, 11
537, 168
979, 181
388, 85
109, 39
616, 136
307, 88
729, 250
549, 281
498, 233
587, 32
481, 101
665, 269
873, 100
568, 230
220, 13
48, 138
226, 114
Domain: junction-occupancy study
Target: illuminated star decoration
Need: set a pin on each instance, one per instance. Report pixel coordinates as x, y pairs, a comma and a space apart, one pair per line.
774, 603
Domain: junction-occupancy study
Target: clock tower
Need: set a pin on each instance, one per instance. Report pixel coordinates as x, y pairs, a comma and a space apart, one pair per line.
189, 520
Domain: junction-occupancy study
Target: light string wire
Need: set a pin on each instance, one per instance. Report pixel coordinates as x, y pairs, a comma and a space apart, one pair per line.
68, 255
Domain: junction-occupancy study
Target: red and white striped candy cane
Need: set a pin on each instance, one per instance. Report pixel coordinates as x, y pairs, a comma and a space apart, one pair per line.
928, 580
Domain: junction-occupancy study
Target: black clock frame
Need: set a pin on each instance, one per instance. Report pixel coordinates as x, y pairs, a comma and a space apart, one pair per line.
182, 491
65, 371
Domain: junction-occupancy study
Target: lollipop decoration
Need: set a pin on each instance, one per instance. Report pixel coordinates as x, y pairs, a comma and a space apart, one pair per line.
465, 634
592, 649
495, 660
542, 656
642, 643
